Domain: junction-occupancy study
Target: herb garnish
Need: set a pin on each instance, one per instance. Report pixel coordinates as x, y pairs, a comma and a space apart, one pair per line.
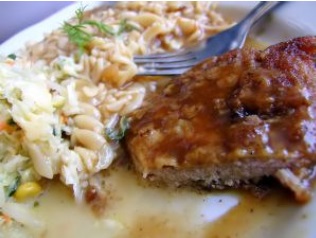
12, 56
81, 38
118, 134
14, 186
77, 35
80, 13
125, 27
105, 29
55, 131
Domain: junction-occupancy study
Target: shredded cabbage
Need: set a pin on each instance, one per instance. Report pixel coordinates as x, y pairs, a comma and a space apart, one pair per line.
33, 103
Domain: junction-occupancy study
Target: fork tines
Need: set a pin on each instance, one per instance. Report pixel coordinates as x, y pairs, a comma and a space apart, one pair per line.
165, 63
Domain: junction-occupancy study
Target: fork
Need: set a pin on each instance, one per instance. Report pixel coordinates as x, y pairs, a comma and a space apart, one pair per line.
176, 63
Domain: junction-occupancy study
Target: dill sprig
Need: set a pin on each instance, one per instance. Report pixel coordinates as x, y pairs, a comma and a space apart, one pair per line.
11, 189
125, 27
80, 13
78, 35
99, 25
105, 29
119, 133
12, 56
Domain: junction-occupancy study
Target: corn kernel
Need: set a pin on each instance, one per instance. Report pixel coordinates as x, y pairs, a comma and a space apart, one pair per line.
27, 190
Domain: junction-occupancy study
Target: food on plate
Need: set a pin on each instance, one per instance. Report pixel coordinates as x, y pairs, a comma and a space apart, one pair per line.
232, 120
68, 101
65, 100
104, 40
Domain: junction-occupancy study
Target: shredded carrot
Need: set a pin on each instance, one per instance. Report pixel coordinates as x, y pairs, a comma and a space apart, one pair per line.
9, 61
64, 119
4, 126
6, 218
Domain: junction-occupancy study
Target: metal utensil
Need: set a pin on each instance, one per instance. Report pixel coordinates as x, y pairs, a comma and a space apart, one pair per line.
176, 63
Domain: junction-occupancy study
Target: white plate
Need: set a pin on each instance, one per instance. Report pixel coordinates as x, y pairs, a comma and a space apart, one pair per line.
275, 217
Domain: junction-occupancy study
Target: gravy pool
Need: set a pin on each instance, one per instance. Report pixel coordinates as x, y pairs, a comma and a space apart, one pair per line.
137, 211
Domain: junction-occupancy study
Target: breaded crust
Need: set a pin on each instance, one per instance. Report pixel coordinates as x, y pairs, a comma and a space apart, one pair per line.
231, 119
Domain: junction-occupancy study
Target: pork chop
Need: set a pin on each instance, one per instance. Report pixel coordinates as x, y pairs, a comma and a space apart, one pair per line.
232, 119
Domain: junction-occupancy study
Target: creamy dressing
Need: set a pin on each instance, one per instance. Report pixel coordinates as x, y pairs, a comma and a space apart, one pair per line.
135, 210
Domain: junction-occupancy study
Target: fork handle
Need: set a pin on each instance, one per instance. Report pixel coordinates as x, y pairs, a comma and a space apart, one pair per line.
260, 10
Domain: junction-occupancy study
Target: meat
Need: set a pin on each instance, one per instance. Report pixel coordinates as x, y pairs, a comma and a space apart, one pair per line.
232, 119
